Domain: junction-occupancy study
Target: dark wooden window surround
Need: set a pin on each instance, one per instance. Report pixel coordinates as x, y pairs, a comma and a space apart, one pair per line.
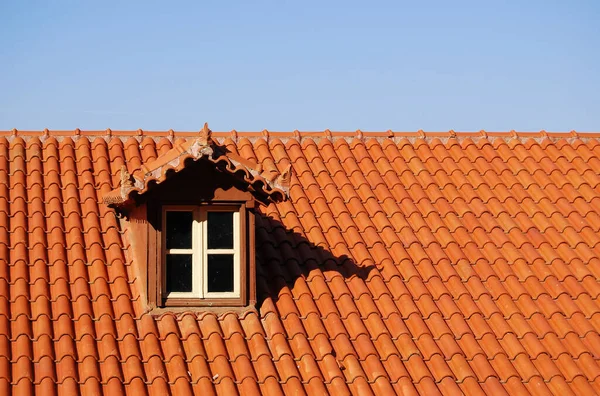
213, 189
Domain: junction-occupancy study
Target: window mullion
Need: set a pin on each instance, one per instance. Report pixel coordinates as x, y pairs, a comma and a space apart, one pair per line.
204, 250
197, 236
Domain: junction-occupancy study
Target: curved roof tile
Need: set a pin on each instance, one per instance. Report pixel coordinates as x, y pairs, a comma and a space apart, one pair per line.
414, 263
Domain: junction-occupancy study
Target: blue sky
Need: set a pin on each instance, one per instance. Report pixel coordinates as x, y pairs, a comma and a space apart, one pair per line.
401, 65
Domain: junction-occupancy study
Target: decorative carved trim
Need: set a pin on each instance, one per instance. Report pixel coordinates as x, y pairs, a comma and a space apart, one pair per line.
285, 178
204, 146
205, 135
120, 195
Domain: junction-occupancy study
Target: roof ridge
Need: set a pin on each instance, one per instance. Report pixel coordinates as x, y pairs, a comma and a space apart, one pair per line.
360, 134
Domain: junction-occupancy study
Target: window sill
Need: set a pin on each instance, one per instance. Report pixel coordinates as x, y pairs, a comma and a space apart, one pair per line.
240, 311
203, 302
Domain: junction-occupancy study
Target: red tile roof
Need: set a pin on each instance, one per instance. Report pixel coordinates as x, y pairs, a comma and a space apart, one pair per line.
408, 263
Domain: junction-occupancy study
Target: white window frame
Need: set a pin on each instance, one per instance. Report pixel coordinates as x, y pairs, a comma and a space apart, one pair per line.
200, 252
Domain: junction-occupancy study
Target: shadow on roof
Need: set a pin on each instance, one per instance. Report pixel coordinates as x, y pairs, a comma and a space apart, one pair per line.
284, 256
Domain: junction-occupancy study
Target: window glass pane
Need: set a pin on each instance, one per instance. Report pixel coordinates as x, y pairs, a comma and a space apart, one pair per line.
220, 230
220, 273
179, 230
179, 273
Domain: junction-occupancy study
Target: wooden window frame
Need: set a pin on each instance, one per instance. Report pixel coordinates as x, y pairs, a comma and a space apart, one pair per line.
156, 257
200, 251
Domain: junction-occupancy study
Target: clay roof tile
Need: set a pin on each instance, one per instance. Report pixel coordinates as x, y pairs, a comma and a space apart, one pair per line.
421, 262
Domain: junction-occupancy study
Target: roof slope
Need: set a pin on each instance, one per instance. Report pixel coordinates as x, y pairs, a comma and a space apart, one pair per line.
412, 264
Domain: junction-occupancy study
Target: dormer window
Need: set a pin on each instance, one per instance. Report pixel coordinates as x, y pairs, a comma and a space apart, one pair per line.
202, 253
191, 216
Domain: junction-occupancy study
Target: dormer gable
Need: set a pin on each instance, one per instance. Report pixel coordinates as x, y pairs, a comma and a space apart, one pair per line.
191, 216
265, 184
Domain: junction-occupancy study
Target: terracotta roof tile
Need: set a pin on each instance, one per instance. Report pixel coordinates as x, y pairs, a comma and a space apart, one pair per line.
480, 249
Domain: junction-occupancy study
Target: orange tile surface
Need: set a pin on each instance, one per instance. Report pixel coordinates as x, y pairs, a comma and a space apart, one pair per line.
407, 263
